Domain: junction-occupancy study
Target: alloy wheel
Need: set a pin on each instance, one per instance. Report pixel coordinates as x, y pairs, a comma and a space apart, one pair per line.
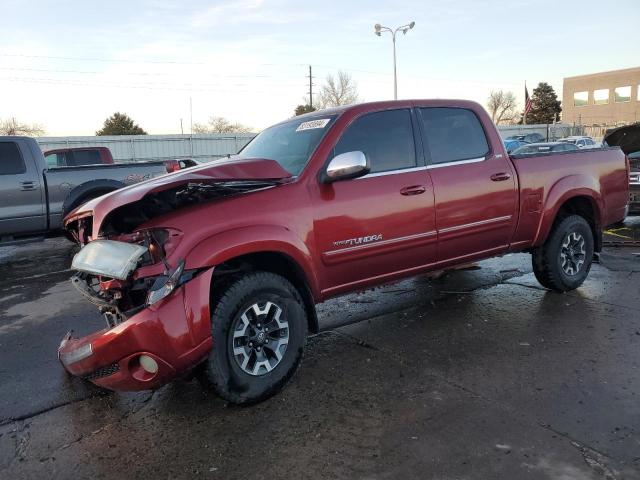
572, 253
260, 338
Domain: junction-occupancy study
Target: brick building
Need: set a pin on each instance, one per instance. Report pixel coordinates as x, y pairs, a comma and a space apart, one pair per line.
602, 100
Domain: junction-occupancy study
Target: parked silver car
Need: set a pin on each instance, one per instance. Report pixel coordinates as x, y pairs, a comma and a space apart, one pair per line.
581, 142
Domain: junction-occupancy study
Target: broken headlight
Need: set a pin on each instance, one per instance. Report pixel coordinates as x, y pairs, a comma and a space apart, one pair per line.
108, 258
164, 285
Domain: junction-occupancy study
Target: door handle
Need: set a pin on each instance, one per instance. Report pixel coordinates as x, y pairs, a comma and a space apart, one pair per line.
413, 190
26, 186
500, 177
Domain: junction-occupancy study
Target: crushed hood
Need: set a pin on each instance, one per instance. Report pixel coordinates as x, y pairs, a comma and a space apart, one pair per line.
627, 138
231, 170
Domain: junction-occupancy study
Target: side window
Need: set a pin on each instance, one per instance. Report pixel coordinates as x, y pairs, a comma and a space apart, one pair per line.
55, 160
386, 138
11, 162
86, 157
453, 134
581, 143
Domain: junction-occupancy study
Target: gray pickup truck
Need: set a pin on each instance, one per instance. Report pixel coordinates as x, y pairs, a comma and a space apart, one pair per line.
35, 197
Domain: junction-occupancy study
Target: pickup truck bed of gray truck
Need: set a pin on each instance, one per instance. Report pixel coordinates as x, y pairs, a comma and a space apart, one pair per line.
34, 198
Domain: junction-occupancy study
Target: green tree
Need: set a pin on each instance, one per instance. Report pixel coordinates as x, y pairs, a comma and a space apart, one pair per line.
120, 124
545, 106
302, 109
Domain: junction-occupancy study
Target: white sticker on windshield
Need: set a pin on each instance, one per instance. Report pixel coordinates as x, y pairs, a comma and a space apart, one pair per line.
313, 124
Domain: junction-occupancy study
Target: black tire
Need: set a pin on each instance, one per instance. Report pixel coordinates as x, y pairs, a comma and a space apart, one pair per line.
223, 369
68, 207
549, 263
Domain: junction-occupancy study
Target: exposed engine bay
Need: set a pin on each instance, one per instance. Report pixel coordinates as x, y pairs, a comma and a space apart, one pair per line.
126, 218
122, 295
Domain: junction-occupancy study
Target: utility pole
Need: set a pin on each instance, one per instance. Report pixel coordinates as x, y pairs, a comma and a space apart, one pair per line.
310, 88
191, 115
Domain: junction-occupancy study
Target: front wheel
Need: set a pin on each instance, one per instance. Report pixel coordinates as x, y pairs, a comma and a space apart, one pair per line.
259, 328
564, 261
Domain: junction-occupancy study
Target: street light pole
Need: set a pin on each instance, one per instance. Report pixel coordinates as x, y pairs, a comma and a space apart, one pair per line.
378, 29
395, 72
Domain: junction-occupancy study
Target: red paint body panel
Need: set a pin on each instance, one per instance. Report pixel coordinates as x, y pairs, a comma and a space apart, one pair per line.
346, 235
174, 332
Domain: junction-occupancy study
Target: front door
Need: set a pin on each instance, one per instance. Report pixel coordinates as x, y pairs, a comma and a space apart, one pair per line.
371, 227
21, 203
475, 189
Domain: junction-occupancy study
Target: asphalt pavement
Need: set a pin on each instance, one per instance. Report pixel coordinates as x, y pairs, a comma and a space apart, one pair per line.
478, 373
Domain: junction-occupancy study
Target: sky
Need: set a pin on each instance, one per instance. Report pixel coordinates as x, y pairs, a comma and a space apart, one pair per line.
68, 65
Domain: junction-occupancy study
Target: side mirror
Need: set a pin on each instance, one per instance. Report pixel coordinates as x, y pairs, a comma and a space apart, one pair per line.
345, 166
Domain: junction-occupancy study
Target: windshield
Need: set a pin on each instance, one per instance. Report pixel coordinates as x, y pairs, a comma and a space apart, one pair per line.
568, 140
290, 144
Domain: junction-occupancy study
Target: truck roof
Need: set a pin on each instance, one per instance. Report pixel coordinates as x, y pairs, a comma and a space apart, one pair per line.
388, 104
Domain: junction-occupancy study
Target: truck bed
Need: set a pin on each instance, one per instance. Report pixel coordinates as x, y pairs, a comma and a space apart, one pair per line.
544, 177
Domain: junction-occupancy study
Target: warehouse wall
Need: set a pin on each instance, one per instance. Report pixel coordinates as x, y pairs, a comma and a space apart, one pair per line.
132, 148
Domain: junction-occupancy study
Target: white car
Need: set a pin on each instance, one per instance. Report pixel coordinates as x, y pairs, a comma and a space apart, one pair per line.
581, 142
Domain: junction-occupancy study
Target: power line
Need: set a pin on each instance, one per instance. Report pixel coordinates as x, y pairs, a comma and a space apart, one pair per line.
146, 74
96, 59
148, 86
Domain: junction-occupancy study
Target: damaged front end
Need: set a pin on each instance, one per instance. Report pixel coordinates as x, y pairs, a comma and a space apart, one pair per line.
127, 280
156, 310
123, 276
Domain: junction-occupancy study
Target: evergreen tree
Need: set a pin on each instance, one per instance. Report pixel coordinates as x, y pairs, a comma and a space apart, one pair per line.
544, 105
301, 109
120, 124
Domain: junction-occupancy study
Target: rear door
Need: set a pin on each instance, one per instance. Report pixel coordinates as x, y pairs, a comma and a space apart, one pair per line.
22, 207
371, 227
474, 187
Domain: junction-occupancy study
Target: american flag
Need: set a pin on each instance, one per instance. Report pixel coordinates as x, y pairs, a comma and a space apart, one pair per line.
527, 100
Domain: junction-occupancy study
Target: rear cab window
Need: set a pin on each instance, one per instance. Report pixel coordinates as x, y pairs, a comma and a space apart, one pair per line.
11, 162
386, 138
86, 157
453, 135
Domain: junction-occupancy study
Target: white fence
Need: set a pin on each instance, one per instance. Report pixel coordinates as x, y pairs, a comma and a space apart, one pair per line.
206, 147
137, 148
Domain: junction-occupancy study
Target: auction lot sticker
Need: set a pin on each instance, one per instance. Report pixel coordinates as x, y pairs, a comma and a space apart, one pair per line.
313, 124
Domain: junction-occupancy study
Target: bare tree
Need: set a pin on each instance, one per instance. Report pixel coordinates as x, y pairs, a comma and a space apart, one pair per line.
11, 126
502, 106
220, 125
338, 91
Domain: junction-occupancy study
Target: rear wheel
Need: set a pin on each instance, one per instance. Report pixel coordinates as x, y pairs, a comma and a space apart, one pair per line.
259, 328
564, 261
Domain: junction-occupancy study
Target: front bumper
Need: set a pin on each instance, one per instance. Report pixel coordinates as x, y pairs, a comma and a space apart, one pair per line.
175, 332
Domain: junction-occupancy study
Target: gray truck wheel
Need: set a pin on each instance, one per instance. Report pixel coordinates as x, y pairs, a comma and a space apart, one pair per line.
259, 328
564, 261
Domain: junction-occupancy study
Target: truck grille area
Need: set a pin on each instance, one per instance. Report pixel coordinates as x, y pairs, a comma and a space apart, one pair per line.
102, 372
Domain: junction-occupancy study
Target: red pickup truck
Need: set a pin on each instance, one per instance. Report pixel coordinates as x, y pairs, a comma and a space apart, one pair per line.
221, 266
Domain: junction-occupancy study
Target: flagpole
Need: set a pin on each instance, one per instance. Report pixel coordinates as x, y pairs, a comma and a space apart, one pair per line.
524, 117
